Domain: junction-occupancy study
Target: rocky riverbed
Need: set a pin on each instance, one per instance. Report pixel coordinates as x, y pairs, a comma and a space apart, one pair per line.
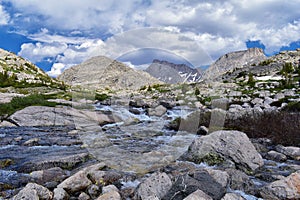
134, 152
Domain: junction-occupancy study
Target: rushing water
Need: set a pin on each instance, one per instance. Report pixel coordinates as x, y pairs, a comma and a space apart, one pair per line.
140, 142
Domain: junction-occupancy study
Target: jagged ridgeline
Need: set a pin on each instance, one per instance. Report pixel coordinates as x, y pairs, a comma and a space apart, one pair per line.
234, 60
174, 73
17, 72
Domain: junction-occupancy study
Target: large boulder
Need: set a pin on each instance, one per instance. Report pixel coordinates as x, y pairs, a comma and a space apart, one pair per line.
57, 116
185, 185
287, 188
220, 146
34, 191
156, 186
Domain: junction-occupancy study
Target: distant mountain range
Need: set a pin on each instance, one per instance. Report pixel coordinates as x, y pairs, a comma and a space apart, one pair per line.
101, 72
173, 73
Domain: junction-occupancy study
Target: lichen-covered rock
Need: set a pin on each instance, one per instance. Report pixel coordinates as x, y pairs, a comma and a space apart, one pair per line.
198, 195
60, 194
34, 191
199, 180
112, 195
75, 183
238, 180
226, 145
157, 185
287, 188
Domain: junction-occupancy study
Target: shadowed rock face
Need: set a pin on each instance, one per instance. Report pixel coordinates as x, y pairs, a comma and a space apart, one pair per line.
173, 73
234, 60
102, 72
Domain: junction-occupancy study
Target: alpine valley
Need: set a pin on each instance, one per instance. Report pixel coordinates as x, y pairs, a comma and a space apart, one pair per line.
102, 130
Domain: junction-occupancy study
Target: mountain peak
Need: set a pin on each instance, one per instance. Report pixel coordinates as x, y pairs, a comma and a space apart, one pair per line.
233, 60
173, 73
101, 72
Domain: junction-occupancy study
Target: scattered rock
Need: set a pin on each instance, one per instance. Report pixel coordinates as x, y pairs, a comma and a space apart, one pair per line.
32, 142
200, 180
273, 155
292, 152
109, 188
157, 185
94, 191
238, 180
112, 195
77, 182
198, 195
83, 196
53, 174
157, 111
34, 191
232, 196
60, 194
232, 145
287, 188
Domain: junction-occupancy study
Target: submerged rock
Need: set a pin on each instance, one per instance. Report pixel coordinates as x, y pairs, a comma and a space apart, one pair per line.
157, 111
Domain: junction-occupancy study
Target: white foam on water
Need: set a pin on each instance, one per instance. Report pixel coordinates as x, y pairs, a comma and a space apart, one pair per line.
7, 146
246, 196
129, 184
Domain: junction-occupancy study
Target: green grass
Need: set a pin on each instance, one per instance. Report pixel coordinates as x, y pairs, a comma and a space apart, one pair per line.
18, 103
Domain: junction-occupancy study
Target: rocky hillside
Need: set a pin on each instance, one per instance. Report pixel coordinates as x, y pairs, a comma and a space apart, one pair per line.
173, 73
274, 70
234, 60
18, 72
102, 72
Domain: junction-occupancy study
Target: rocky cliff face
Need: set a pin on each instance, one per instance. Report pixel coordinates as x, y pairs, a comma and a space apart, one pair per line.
234, 60
16, 71
102, 72
173, 73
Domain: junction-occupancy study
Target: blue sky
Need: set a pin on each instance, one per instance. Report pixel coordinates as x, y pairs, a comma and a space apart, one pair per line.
58, 34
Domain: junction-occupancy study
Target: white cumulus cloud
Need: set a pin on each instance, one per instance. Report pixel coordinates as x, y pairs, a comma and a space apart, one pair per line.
110, 27
4, 16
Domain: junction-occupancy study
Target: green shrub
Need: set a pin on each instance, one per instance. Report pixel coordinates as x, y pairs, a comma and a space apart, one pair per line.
292, 107
266, 62
18, 103
197, 91
101, 97
251, 81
